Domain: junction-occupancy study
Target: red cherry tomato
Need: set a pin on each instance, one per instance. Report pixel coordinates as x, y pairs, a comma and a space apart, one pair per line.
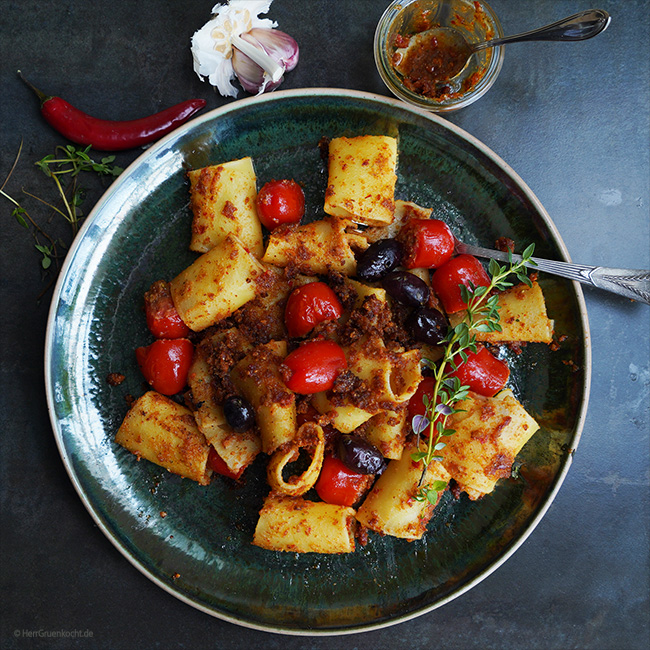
339, 485
309, 305
416, 405
218, 465
482, 372
314, 366
458, 270
163, 320
165, 364
280, 202
427, 243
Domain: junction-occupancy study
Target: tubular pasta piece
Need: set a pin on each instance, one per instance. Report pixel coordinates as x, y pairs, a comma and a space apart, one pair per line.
257, 377
345, 418
295, 525
391, 507
391, 376
387, 432
315, 248
164, 432
223, 202
237, 450
216, 284
522, 317
361, 179
309, 437
490, 432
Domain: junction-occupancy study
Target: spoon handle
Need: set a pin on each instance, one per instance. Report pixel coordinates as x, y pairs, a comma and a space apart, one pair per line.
578, 27
631, 283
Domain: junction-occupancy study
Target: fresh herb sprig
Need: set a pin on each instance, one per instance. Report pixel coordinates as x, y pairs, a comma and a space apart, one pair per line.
67, 161
71, 161
482, 316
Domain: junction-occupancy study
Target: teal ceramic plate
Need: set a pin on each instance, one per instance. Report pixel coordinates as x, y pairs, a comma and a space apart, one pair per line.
200, 550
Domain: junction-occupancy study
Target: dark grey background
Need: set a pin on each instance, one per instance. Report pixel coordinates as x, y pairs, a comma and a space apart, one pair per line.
571, 119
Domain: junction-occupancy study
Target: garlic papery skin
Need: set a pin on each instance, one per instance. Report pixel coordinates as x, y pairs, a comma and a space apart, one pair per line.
261, 57
212, 46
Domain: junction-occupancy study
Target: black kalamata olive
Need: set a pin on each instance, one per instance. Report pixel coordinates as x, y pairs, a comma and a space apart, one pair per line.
406, 288
360, 456
427, 325
239, 413
379, 259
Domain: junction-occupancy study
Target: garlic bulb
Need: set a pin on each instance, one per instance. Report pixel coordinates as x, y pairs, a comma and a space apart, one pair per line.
236, 42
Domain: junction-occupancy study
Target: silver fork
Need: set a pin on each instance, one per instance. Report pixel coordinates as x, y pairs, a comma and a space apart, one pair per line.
631, 283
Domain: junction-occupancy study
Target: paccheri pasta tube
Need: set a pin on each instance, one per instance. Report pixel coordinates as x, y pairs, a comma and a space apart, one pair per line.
361, 183
387, 432
489, 433
223, 202
165, 433
309, 438
216, 284
393, 506
391, 376
299, 526
522, 317
317, 247
258, 378
237, 449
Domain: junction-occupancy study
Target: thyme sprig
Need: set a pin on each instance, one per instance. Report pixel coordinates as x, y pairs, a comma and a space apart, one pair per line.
71, 161
482, 316
67, 161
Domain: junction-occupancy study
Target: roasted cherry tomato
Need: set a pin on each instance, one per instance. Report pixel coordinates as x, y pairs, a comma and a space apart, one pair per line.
459, 270
427, 243
218, 465
482, 372
280, 202
339, 485
165, 364
314, 366
309, 305
416, 405
163, 320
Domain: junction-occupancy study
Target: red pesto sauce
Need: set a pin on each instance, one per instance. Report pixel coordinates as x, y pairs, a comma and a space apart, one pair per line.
426, 68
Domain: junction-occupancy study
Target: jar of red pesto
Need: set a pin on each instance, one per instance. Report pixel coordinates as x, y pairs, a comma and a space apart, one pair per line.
403, 19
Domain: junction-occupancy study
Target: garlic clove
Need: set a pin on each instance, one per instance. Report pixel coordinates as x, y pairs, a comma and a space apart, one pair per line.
254, 51
252, 77
279, 45
260, 58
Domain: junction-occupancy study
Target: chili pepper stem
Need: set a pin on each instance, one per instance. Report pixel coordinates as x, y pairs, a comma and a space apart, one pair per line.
39, 93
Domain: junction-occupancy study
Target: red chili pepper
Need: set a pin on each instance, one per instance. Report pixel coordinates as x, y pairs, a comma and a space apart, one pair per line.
111, 135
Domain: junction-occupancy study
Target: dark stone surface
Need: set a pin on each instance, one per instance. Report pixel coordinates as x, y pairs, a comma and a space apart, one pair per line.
571, 119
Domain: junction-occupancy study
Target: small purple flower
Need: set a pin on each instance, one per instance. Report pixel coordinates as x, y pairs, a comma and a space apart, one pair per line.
419, 424
444, 409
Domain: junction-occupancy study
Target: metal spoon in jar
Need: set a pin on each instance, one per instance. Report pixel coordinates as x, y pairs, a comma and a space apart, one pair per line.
456, 51
631, 283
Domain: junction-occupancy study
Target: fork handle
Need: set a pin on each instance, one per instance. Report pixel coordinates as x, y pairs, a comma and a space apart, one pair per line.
631, 283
